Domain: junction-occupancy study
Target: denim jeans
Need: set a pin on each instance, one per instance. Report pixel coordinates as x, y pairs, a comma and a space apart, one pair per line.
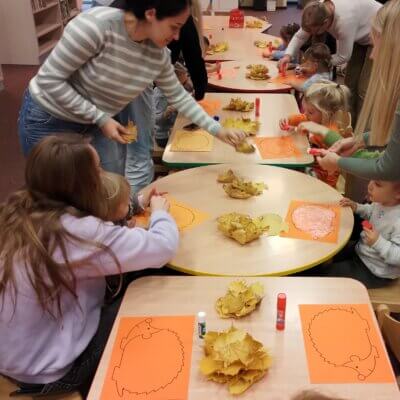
35, 123
139, 168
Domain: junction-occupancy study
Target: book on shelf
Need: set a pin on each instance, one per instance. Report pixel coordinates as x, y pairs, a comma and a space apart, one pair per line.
38, 4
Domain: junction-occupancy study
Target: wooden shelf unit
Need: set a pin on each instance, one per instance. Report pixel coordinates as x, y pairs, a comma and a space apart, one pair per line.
1, 79
28, 33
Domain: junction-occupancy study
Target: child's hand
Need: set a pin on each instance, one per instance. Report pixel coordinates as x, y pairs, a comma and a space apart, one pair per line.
284, 124
145, 202
328, 161
312, 127
345, 202
159, 203
370, 236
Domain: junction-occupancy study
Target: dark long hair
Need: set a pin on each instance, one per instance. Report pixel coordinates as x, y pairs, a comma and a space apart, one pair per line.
61, 178
164, 8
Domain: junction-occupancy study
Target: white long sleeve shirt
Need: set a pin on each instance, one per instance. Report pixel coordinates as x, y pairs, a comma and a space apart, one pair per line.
351, 24
35, 347
383, 257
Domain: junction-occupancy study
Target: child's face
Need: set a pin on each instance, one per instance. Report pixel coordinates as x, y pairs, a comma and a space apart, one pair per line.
312, 113
308, 67
383, 192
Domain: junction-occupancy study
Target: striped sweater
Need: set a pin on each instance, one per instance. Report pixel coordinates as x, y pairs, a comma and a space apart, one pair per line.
96, 70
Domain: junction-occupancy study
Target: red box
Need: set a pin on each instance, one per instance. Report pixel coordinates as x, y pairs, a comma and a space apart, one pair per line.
236, 18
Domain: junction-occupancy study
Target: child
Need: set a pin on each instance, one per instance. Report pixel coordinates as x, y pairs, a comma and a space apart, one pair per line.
375, 259
55, 252
165, 113
324, 103
315, 66
286, 33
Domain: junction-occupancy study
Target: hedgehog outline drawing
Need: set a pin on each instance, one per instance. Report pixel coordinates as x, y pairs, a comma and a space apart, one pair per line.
360, 356
146, 338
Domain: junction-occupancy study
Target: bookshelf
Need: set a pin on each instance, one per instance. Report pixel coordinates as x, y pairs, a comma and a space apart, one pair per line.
31, 28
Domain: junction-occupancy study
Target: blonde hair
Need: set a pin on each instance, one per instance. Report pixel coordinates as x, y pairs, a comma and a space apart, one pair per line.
329, 98
383, 92
198, 21
117, 190
315, 13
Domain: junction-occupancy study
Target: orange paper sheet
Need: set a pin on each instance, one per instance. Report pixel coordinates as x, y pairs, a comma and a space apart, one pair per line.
184, 215
343, 344
295, 233
288, 79
277, 147
210, 106
185, 141
151, 359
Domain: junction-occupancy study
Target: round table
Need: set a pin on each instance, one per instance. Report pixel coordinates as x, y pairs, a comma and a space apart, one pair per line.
204, 250
221, 22
233, 78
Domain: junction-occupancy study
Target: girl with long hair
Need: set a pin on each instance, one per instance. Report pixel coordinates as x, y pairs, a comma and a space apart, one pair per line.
55, 252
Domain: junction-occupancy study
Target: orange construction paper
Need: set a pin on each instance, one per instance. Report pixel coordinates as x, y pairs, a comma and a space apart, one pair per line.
295, 233
343, 344
151, 359
289, 77
210, 106
184, 215
277, 147
187, 141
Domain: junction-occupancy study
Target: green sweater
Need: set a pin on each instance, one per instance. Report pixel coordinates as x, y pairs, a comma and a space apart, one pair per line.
386, 167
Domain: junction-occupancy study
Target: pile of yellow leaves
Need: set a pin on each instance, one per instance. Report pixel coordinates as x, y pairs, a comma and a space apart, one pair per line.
255, 23
132, 129
240, 299
262, 44
244, 229
237, 104
238, 188
217, 48
248, 126
235, 358
257, 72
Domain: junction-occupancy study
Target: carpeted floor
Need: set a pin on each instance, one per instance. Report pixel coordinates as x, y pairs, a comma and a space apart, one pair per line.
16, 79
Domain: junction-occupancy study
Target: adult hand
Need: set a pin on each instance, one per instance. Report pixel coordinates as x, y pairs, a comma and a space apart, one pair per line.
328, 161
346, 147
159, 203
345, 202
231, 136
313, 128
284, 62
370, 236
113, 130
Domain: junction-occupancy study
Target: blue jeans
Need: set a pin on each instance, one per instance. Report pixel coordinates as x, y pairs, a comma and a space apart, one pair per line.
139, 168
35, 123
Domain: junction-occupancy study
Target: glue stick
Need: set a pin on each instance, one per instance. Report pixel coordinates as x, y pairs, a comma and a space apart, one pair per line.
201, 324
280, 311
257, 106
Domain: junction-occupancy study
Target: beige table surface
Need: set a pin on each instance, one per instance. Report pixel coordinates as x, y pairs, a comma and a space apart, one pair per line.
156, 296
219, 22
241, 45
204, 250
237, 81
273, 108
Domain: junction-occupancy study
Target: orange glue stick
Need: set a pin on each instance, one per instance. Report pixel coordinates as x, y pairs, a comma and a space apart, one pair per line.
280, 311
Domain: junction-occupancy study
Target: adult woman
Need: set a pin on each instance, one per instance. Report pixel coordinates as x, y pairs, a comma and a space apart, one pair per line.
105, 58
55, 252
381, 109
349, 22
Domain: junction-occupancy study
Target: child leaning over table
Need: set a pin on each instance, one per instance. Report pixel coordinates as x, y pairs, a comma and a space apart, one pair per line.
165, 113
286, 33
375, 258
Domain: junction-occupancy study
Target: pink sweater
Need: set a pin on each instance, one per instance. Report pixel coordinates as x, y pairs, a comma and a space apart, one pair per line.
36, 348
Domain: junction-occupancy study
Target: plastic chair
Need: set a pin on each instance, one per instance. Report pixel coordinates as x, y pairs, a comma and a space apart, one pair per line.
390, 329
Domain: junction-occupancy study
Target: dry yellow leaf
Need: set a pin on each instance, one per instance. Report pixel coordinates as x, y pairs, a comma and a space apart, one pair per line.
226, 177
132, 129
235, 358
240, 189
237, 104
245, 147
255, 23
218, 48
240, 299
257, 72
262, 44
248, 126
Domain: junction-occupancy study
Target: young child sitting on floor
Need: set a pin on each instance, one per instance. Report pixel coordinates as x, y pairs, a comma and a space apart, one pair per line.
165, 113
315, 66
375, 259
324, 103
286, 33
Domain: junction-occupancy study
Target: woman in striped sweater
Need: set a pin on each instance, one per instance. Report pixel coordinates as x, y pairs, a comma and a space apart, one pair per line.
105, 58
